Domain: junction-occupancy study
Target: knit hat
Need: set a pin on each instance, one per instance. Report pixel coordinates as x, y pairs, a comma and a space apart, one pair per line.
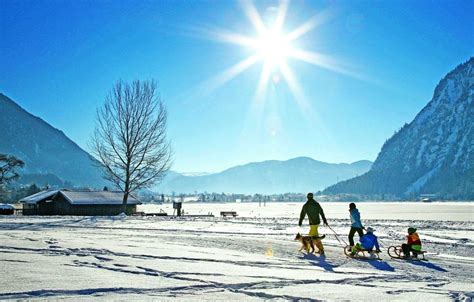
411, 230
370, 230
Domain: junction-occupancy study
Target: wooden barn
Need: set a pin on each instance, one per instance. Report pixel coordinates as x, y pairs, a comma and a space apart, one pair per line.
77, 203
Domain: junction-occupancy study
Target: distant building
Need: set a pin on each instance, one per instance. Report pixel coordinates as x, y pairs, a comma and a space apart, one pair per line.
80, 203
427, 197
6, 209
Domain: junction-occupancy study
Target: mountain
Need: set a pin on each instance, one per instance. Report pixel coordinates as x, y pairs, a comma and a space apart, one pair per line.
432, 154
46, 151
302, 174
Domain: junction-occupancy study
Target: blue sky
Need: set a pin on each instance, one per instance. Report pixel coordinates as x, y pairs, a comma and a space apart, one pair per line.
58, 59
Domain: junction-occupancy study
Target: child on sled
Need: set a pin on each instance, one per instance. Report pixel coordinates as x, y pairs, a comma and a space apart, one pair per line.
413, 243
367, 242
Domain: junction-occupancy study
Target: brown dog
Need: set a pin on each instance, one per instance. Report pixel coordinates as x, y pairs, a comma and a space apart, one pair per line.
306, 243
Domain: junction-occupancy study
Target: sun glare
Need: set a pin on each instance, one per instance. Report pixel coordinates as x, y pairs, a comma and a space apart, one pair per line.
272, 48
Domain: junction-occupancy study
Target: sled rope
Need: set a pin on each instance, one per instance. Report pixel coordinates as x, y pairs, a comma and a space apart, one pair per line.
343, 243
381, 243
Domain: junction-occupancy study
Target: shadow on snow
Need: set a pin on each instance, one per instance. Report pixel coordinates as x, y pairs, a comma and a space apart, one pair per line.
381, 265
429, 265
320, 261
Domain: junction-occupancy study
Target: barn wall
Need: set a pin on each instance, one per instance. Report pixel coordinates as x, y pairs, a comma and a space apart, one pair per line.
63, 207
60, 206
29, 209
100, 210
46, 208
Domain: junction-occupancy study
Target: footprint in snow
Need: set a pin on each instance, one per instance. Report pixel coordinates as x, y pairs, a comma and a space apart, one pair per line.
439, 284
102, 258
51, 241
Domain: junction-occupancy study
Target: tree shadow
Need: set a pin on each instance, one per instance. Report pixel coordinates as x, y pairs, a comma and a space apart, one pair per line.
82, 221
320, 261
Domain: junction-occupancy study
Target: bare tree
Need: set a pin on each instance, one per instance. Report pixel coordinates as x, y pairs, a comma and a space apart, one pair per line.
130, 137
8, 164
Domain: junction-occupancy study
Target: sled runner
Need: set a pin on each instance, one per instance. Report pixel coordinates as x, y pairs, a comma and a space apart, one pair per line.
396, 252
362, 254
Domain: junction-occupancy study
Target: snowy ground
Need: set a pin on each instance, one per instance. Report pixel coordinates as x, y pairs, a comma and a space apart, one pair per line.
251, 257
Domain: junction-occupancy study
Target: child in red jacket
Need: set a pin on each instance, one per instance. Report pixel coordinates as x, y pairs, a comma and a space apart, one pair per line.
413, 243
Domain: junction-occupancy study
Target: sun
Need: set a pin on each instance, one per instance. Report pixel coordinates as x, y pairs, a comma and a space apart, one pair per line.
273, 45
272, 48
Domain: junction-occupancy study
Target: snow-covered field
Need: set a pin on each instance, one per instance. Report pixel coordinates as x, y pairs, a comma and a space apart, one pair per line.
250, 257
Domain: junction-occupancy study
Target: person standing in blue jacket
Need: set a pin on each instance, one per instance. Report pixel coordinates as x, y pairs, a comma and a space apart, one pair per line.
356, 224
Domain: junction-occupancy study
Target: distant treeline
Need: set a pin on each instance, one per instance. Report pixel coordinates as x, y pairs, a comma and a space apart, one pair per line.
150, 197
14, 194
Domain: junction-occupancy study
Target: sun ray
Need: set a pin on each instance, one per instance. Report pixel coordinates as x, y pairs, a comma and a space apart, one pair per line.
230, 73
281, 15
208, 86
254, 16
326, 62
312, 23
233, 38
263, 81
295, 89
309, 114
315, 58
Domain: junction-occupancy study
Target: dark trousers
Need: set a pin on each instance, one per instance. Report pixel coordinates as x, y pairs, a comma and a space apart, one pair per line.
352, 232
407, 249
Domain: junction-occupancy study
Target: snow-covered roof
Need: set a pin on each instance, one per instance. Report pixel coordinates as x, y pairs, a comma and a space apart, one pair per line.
82, 197
39, 196
96, 197
5, 206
